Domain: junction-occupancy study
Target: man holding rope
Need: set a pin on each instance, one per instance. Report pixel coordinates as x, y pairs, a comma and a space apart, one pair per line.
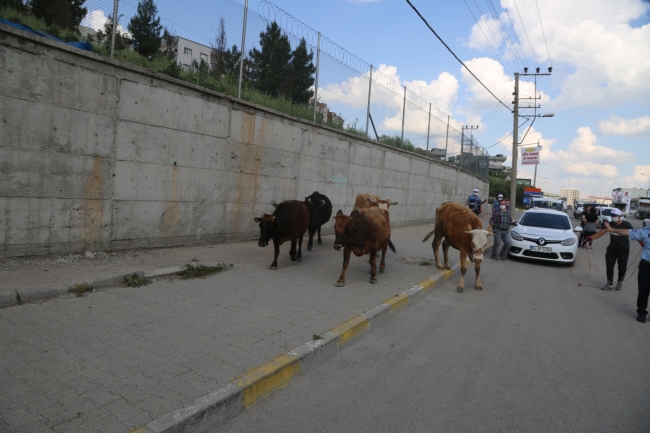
643, 236
617, 250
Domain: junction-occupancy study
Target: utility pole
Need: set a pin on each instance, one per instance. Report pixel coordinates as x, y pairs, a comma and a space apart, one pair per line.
515, 150
462, 141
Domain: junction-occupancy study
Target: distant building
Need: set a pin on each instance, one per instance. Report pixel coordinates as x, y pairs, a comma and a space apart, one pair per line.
329, 116
571, 195
626, 195
496, 163
186, 52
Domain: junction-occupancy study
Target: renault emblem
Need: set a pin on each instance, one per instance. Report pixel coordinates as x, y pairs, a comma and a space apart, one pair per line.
541, 241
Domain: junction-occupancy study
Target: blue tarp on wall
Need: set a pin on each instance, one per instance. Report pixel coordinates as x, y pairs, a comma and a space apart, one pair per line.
81, 45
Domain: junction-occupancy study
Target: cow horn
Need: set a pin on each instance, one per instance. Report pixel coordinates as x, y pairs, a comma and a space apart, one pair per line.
322, 202
393, 203
273, 203
372, 201
309, 200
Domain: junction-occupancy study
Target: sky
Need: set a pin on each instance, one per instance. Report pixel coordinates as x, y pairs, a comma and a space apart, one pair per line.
599, 89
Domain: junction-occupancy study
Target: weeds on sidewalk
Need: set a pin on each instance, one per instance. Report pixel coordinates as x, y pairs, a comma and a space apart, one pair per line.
425, 264
135, 281
198, 271
81, 289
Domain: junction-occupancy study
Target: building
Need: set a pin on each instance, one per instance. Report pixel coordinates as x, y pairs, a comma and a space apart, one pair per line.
572, 195
496, 163
625, 196
186, 52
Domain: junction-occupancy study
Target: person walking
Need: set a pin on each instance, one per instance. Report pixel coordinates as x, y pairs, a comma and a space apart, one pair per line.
643, 237
500, 223
589, 228
617, 250
474, 202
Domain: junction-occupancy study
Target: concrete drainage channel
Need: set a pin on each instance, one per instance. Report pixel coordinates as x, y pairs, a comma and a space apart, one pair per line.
10, 298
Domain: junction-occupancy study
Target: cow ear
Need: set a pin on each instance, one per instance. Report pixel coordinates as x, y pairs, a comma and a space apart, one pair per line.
257, 220
339, 213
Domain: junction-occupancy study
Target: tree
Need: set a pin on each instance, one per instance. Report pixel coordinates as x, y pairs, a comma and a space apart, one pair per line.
219, 51
63, 13
103, 37
13, 4
299, 76
169, 45
270, 64
145, 28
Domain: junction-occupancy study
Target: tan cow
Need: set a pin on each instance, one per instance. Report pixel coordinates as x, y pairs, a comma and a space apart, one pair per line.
365, 231
462, 230
367, 200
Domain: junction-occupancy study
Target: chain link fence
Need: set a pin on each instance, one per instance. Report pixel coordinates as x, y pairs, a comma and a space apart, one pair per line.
350, 93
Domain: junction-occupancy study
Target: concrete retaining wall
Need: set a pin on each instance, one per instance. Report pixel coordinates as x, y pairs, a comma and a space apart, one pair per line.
96, 154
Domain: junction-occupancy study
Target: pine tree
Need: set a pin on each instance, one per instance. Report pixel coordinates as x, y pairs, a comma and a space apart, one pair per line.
63, 13
146, 29
103, 37
270, 64
219, 51
299, 78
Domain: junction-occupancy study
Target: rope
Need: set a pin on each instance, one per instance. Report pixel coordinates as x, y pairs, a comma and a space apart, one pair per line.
602, 276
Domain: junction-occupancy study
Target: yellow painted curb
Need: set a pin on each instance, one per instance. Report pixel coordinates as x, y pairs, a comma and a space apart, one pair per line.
138, 430
448, 274
396, 302
349, 329
426, 285
267, 378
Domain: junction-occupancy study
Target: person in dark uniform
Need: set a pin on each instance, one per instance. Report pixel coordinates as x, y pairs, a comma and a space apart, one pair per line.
643, 237
474, 202
618, 250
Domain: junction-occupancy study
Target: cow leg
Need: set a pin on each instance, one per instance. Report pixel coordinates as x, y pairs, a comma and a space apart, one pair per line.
463, 269
320, 241
436, 246
310, 243
445, 252
477, 268
292, 251
346, 262
300, 247
382, 264
373, 266
276, 253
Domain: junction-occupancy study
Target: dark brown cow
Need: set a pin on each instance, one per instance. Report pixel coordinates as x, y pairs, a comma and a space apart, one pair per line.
320, 211
462, 230
289, 222
367, 200
365, 231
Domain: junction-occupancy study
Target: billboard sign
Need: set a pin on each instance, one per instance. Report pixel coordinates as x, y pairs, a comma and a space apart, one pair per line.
530, 155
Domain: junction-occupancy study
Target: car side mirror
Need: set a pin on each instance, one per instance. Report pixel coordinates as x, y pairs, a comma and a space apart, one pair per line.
578, 229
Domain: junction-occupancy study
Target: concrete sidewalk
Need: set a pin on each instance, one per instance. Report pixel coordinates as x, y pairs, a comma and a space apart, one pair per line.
184, 355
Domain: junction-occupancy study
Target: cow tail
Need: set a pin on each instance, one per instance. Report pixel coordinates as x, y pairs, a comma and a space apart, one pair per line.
391, 246
429, 235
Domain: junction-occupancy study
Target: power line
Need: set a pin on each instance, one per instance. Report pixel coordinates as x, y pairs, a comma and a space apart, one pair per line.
449, 49
512, 23
508, 43
544, 34
526, 33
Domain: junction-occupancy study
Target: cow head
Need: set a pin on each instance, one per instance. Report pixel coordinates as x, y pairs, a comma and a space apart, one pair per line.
268, 224
315, 205
347, 229
382, 203
479, 242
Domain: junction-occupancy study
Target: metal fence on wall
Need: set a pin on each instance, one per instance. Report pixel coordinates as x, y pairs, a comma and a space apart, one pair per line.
348, 89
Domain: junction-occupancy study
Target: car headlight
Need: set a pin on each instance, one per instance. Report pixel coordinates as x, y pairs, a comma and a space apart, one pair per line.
569, 242
516, 236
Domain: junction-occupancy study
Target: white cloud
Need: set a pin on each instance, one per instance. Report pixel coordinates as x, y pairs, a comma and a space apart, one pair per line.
619, 126
97, 19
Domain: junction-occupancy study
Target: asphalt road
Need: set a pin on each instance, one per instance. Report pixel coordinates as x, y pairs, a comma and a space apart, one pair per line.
533, 352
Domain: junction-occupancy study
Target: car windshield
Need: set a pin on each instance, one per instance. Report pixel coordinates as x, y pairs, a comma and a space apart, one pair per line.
545, 220
607, 212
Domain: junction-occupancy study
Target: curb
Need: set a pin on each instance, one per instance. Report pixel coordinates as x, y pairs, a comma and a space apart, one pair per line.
215, 408
9, 298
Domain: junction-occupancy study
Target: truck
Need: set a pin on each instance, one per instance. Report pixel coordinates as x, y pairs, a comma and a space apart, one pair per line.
643, 208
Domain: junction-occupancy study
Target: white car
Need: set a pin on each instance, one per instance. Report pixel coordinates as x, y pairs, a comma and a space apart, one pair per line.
544, 235
604, 214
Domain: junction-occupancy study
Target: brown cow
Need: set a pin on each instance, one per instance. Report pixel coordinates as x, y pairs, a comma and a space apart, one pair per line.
462, 230
365, 231
289, 222
367, 200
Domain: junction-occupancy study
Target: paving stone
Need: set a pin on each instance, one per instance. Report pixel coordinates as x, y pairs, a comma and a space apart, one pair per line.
110, 424
121, 409
139, 420
36, 426
101, 397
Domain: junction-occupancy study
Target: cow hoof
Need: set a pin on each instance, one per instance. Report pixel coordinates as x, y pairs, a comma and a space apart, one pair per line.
299, 258
273, 268
294, 258
442, 268
459, 289
373, 281
320, 242
448, 268
308, 247
339, 284
381, 271
479, 287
